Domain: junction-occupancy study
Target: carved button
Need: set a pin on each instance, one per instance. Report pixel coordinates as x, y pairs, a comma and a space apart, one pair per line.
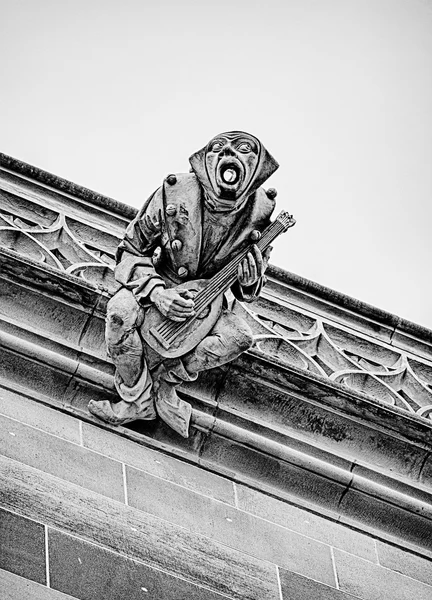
171, 179
182, 272
171, 210
176, 245
271, 193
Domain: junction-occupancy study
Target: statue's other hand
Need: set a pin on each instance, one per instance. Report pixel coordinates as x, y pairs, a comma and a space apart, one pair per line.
253, 266
171, 304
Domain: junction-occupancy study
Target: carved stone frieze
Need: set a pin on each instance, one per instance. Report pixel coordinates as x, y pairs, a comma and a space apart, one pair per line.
58, 240
364, 365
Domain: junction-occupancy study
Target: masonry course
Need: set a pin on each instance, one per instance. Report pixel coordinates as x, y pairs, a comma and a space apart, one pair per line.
308, 470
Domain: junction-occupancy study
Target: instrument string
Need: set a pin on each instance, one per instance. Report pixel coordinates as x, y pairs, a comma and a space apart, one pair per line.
172, 328
218, 283
214, 287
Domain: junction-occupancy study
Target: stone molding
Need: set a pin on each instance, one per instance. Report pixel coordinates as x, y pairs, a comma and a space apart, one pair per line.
332, 405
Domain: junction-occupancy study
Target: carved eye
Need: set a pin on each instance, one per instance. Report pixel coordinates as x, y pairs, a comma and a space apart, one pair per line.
244, 147
216, 146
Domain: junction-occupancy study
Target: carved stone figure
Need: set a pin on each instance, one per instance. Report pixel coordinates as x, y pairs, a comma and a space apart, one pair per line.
191, 241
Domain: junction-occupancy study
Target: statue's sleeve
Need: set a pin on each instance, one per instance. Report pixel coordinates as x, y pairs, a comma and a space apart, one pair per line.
135, 269
260, 220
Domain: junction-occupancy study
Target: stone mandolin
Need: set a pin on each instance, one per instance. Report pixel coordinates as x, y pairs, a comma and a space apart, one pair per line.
172, 339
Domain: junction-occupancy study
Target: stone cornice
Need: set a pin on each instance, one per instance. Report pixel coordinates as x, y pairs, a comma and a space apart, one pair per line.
32, 173
275, 372
356, 313
259, 421
325, 411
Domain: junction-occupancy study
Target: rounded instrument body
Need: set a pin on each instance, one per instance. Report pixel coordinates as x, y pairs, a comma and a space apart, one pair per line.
172, 339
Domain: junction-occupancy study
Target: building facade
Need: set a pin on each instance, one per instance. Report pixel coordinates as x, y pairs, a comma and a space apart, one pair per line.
309, 466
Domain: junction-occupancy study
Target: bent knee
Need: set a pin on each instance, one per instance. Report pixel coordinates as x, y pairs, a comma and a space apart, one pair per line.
123, 311
123, 316
122, 302
244, 339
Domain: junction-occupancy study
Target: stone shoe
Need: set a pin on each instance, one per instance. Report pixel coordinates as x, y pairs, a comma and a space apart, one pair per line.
175, 412
122, 412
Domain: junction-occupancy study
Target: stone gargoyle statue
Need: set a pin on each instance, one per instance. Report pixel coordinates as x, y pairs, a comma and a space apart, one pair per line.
197, 236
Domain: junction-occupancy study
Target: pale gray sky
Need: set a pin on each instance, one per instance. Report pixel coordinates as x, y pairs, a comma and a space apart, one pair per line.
114, 95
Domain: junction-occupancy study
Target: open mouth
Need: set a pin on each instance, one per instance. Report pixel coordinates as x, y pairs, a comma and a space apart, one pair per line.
230, 174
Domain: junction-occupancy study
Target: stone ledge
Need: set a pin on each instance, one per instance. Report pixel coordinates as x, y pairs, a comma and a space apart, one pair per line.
76, 292
63, 185
294, 476
250, 419
231, 399
60, 285
258, 420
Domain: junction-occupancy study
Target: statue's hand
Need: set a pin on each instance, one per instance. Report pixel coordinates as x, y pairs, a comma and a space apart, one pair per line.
171, 304
253, 266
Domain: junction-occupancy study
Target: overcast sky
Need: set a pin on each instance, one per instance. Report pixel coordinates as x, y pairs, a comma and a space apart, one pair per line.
114, 95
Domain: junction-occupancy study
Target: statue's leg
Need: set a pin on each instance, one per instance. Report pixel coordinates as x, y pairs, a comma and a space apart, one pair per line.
123, 341
132, 377
228, 339
171, 409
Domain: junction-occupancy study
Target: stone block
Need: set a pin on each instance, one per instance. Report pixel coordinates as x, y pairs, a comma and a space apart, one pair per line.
61, 458
426, 473
380, 516
34, 309
305, 523
37, 415
90, 572
158, 464
230, 526
140, 536
207, 386
368, 581
34, 375
14, 587
93, 335
412, 496
272, 404
412, 343
404, 562
163, 434
270, 471
22, 546
296, 587
81, 391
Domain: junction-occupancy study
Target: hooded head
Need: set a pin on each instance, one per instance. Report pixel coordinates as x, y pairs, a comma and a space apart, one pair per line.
232, 167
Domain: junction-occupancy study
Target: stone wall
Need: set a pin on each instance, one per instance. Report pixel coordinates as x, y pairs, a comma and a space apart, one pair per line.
94, 515
308, 471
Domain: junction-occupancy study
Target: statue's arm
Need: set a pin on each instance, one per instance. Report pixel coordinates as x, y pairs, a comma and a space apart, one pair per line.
135, 269
250, 274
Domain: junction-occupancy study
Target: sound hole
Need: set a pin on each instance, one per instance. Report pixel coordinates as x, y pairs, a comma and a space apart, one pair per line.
204, 313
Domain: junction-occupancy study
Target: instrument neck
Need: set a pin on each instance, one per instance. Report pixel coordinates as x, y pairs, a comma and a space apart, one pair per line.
227, 276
